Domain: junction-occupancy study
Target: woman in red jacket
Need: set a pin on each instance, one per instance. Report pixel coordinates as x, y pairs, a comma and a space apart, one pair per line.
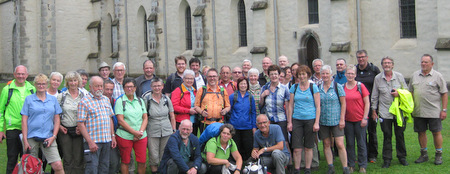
183, 99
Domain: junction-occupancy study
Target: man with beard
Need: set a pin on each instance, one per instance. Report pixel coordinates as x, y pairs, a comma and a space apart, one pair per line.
96, 126
175, 79
182, 152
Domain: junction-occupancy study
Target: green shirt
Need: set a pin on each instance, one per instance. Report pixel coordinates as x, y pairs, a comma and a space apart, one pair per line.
213, 145
132, 115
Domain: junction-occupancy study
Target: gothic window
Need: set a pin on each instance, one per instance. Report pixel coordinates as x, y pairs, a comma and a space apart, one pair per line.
313, 11
407, 19
188, 28
242, 24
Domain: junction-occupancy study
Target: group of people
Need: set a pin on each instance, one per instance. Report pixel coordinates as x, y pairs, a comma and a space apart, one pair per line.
276, 116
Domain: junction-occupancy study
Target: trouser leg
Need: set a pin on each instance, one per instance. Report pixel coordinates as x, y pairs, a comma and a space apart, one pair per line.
14, 148
372, 143
386, 127
400, 140
350, 143
360, 133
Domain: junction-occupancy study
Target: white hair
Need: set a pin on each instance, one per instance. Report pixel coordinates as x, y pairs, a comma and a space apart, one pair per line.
119, 64
315, 60
188, 72
253, 71
57, 74
246, 60
326, 67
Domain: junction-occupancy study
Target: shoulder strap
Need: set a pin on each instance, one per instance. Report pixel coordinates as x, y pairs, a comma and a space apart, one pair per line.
235, 97
182, 92
63, 99
148, 103
336, 91
311, 88
295, 88
203, 95
358, 84
10, 92
172, 76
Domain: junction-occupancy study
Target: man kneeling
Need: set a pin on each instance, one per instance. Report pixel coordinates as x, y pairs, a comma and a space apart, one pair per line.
268, 145
182, 152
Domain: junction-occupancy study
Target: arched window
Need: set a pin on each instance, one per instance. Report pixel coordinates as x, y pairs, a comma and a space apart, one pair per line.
313, 11
242, 24
145, 33
312, 51
188, 29
407, 19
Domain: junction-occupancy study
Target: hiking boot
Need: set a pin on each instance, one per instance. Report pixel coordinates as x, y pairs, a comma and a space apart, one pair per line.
362, 170
346, 170
423, 157
296, 171
372, 160
330, 170
307, 171
438, 158
386, 164
404, 162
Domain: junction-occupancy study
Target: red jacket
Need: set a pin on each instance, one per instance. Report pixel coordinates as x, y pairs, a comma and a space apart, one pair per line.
181, 106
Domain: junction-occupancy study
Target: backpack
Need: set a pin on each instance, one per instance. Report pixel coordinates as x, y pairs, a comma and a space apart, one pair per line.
204, 92
311, 87
358, 85
335, 90
115, 121
28, 164
10, 92
250, 97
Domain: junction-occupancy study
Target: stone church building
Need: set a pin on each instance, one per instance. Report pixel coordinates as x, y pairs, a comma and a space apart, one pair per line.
64, 35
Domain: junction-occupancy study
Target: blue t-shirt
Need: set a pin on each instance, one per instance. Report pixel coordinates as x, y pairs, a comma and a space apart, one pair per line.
275, 136
304, 107
40, 115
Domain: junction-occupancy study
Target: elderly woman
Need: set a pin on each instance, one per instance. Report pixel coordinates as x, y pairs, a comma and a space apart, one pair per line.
254, 87
161, 121
303, 116
183, 99
55, 81
132, 134
40, 123
332, 118
69, 138
356, 115
243, 117
218, 150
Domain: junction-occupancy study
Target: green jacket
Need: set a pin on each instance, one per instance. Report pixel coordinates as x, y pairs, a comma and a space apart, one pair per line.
12, 118
405, 103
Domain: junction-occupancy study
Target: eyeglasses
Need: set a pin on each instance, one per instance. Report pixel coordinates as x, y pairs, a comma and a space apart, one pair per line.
119, 70
264, 122
212, 76
189, 78
237, 72
128, 87
360, 57
41, 84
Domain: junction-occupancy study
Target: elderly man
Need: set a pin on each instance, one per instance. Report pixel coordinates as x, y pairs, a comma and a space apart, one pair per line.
143, 82
246, 66
225, 79
96, 126
175, 79
104, 71
317, 65
194, 65
283, 61
264, 76
339, 77
236, 73
365, 73
119, 74
182, 153
11, 102
430, 100
214, 104
383, 93
269, 145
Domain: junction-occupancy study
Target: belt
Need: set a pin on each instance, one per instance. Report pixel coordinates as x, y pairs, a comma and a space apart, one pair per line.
214, 119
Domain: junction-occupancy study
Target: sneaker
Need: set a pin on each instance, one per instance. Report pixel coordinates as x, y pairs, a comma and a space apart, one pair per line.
362, 170
307, 171
372, 160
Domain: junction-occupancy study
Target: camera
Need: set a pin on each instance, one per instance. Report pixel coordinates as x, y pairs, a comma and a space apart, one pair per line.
45, 144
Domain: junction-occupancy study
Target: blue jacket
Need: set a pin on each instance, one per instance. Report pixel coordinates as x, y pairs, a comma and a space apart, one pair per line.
243, 113
172, 151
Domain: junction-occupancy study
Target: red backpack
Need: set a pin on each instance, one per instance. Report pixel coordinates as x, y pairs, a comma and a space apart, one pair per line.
28, 164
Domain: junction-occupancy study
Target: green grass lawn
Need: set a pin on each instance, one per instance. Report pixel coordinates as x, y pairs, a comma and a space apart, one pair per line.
412, 147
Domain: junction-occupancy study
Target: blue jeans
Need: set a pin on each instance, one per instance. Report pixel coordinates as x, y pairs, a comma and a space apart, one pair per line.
353, 130
97, 162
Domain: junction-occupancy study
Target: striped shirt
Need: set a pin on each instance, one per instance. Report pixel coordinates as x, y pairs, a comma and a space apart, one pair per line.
96, 113
274, 102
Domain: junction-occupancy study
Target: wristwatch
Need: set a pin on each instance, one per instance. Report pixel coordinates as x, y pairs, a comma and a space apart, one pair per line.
195, 167
445, 110
265, 149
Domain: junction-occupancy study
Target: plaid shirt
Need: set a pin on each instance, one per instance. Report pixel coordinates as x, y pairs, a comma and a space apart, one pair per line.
96, 114
255, 90
118, 89
330, 108
274, 102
